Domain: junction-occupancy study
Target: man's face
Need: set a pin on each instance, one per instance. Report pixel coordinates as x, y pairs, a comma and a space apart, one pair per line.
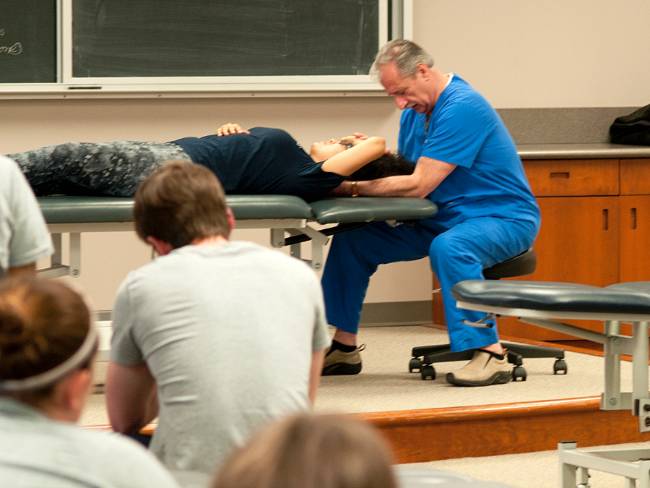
408, 91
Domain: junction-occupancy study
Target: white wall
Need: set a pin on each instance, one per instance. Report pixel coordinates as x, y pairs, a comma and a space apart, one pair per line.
519, 53
542, 53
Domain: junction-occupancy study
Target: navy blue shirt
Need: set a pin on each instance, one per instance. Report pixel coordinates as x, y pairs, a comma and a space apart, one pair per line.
265, 161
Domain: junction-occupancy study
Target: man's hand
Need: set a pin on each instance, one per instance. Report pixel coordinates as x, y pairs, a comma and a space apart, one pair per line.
230, 129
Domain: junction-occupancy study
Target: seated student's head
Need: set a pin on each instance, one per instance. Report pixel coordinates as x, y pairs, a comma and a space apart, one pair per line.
47, 346
311, 451
181, 203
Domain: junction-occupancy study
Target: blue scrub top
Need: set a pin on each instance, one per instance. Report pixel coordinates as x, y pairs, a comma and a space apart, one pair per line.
489, 180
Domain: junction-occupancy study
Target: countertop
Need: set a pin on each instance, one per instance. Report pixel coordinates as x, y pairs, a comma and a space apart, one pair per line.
581, 151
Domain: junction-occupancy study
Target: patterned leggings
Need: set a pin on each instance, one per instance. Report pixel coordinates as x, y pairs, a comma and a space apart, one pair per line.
105, 168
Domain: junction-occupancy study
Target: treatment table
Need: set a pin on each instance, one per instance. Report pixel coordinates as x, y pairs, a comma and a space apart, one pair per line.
546, 304
290, 220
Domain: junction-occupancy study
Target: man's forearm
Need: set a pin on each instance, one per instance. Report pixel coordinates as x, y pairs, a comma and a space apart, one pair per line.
131, 397
318, 357
391, 186
426, 177
152, 408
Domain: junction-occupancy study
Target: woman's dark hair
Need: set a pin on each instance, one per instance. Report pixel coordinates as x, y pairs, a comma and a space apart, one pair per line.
180, 202
386, 165
311, 451
42, 324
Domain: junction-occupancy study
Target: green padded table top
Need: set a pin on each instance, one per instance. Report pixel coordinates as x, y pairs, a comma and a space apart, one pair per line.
371, 209
81, 209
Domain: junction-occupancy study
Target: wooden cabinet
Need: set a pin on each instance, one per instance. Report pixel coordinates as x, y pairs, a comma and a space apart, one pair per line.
595, 228
634, 215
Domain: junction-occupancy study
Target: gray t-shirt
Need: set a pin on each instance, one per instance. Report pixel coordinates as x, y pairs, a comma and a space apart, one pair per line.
38, 451
23, 233
228, 333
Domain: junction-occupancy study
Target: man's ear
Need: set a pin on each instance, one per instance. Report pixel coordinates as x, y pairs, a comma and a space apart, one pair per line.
162, 248
424, 71
231, 220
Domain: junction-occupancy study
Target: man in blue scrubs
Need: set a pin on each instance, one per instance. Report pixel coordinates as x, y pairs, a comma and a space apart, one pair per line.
467, 164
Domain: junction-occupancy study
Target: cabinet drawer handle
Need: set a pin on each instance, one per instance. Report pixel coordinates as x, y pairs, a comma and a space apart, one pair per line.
560, 174
605, 219
633, 218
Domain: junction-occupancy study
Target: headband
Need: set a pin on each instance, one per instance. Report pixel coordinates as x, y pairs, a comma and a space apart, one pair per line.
53, 375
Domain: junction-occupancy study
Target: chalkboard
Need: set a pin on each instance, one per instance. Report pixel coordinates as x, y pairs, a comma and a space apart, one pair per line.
162, 38
28, 41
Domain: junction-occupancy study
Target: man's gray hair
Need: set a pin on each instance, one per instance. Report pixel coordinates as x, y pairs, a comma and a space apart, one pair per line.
406, 55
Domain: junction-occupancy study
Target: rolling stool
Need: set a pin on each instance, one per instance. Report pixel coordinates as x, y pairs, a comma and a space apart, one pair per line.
423, 357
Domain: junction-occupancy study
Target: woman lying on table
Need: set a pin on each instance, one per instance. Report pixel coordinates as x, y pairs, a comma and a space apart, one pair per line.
256, 161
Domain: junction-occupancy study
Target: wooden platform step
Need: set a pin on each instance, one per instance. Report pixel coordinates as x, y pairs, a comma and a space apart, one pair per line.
489, 430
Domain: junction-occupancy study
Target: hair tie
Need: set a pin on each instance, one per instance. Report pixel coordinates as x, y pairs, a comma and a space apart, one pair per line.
51, 376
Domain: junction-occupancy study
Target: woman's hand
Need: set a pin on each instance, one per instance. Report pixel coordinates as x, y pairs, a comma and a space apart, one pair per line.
230, 129
354, 139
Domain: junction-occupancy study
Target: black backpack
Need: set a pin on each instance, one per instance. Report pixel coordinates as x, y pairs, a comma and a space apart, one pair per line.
633, 128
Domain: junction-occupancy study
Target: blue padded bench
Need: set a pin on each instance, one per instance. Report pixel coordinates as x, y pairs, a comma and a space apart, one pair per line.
281, 214
545, 304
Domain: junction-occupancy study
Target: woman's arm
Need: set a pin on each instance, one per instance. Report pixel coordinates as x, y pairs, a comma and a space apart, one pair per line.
347, 162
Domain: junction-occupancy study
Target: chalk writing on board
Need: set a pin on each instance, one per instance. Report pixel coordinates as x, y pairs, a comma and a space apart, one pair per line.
14, 49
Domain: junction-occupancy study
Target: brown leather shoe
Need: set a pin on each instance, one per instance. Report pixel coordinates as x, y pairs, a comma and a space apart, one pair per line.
484, 369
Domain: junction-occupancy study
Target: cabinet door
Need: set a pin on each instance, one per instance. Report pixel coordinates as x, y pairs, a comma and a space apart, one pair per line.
634, 244
578, 242
635, 176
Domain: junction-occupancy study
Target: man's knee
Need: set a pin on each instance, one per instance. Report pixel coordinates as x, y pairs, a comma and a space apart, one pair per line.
449, 253
446, 246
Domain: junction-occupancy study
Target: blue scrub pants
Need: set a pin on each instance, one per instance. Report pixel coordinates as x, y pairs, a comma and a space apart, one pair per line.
458, 253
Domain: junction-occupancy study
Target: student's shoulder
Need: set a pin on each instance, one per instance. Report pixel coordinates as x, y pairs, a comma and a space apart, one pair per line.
273, 257
119, 455
9, 173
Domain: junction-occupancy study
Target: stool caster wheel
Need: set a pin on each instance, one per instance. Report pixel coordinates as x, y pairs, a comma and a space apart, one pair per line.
560, 367
415, 365
519, 373
428, 372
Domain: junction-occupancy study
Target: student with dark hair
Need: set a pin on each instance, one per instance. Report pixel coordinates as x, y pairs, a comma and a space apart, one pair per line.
47, 348
256, 161
23, 233
215, 337
311, 451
